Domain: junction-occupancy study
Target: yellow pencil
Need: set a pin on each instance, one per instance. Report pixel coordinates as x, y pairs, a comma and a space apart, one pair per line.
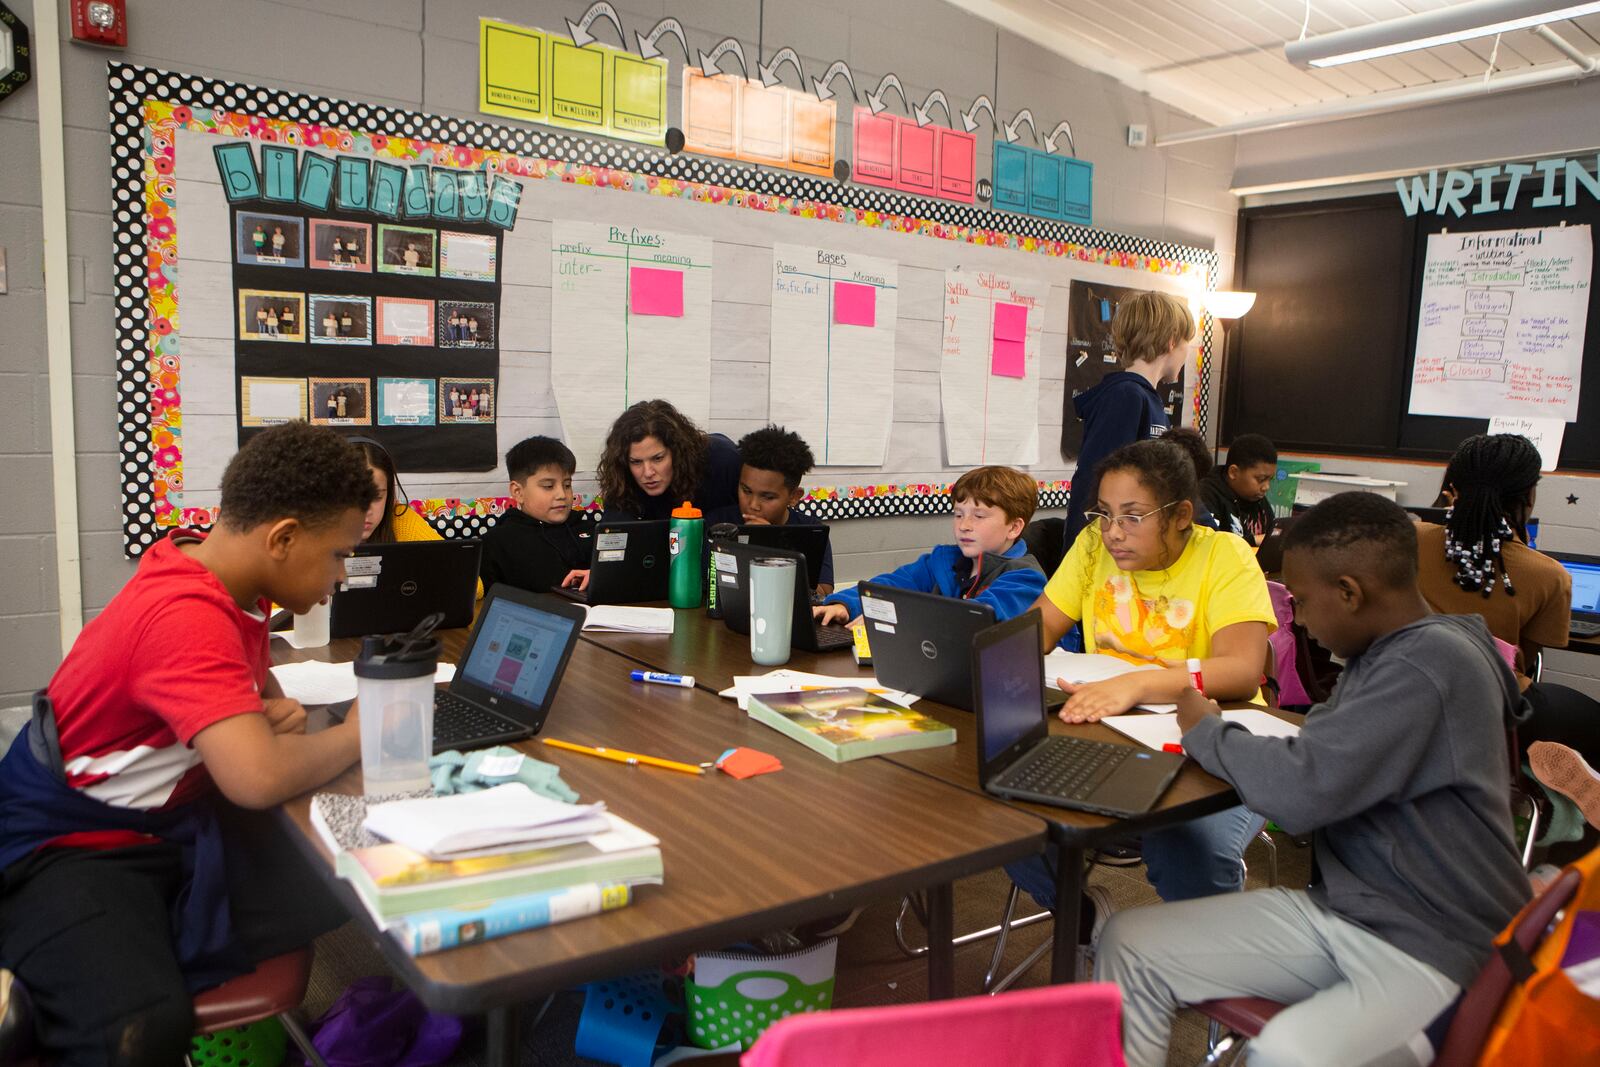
619, 756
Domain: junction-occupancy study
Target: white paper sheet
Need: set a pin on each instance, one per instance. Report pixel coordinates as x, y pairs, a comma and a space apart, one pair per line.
406, 397
1501, 323
604, 357
621, 618
276, 400
832, 383
988, 418
1546, 435
312, 682
784, 680
1081, 667
1153, 731
406, 319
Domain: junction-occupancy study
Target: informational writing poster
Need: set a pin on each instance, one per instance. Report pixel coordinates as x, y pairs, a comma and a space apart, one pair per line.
630, 321
1500, 329
989, 368
832, 378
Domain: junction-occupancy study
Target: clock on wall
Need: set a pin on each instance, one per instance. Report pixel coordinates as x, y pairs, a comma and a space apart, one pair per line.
16, 64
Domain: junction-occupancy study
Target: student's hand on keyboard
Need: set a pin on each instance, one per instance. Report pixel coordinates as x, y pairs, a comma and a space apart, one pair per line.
1193, 706
285, 715
1093, 701
830, 614
575, 580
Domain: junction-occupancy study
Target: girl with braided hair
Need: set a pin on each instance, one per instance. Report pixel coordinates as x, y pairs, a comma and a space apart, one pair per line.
1479, 563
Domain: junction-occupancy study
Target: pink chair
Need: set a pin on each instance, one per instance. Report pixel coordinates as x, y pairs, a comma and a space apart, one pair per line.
1291, 690
1057, 1026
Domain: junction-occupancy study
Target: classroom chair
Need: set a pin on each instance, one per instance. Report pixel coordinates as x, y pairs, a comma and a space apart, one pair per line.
1046, 541
1057, 1026
1458, 1033
273, 990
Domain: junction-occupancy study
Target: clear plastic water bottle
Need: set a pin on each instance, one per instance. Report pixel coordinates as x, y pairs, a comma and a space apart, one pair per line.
394, 687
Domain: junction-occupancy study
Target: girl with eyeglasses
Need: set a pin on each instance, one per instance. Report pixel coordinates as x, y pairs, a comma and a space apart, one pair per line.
1150, 586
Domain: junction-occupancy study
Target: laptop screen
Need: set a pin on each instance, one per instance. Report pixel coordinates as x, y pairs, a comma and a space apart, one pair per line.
518, 650
1012, 698
1585, 586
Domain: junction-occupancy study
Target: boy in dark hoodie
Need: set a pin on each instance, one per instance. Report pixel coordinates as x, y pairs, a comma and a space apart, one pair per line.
1402, 777
537, 546
1236, 492
1153, 335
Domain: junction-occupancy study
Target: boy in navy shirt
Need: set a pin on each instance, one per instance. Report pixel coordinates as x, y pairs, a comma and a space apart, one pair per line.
1152, 335
137, 864
774, 462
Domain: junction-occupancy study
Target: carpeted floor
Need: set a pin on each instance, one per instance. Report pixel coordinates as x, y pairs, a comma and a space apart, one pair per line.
872, 970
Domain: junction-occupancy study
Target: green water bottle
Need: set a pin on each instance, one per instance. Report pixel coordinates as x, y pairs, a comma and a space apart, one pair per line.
686, 537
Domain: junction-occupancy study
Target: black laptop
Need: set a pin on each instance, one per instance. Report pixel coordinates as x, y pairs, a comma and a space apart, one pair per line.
1017, 756
389, 588
630, 564
733, 593
810, 541
1585, 574
922, 642
509, 671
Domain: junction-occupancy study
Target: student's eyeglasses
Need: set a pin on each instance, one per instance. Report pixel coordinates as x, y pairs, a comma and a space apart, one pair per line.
1125, 523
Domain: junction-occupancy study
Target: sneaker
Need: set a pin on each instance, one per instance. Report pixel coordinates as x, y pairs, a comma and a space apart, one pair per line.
1569, 774
1093, 915
16, 1019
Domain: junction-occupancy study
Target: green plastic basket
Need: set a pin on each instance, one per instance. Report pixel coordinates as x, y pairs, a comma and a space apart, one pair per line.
720, 1015
261, 1044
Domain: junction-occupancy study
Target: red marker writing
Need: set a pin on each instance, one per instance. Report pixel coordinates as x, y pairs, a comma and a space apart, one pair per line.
1195, 678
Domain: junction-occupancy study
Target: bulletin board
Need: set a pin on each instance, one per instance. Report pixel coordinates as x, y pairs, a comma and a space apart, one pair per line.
178, 286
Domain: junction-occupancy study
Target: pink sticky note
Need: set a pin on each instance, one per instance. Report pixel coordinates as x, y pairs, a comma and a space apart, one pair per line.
1010, 322
855, 304
1010, 359
652, 291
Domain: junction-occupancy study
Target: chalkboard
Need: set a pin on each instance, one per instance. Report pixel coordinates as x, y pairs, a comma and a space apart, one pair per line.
1322, 363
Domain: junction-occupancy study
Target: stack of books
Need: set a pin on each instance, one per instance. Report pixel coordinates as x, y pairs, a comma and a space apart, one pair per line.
436, 872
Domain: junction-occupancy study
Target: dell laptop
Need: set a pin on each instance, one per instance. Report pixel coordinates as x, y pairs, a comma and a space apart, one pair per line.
922, 642
630, 564
810, 541
732, 564
1019, 759
1585, 574
509, 671
389, 588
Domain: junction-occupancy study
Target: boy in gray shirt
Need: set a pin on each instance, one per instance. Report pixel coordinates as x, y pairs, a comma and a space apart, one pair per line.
1404, 778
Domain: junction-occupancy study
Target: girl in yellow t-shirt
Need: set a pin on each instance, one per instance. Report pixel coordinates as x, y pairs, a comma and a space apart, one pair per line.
1149, 586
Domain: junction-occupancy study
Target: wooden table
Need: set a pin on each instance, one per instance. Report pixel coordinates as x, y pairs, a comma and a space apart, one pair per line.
714, 654
742, 857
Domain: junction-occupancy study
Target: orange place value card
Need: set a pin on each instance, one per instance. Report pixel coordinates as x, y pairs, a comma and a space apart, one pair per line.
710, 114
763, 124
812, 124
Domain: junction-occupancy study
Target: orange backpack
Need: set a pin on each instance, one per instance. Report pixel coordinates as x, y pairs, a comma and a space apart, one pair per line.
1546, 1018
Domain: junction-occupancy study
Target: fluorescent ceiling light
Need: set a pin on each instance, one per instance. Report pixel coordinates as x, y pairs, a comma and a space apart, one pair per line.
1429, 29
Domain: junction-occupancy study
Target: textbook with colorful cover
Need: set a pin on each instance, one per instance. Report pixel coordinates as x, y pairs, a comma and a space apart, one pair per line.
849, 723
393, 880
420, 933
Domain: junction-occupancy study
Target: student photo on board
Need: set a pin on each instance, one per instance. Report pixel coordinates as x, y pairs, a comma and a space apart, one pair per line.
407, 250
465, 325
341, 245
340, 320
271, 316
466, 400
341, 401
270, 240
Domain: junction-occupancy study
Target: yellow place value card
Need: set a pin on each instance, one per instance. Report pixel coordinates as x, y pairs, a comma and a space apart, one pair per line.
639, 98
577, 86
511, 66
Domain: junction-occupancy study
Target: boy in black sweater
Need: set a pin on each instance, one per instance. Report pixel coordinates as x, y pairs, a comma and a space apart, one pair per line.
1403, 779
1236, 492
538, 546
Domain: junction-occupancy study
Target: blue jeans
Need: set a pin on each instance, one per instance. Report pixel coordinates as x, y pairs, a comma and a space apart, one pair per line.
1197, 858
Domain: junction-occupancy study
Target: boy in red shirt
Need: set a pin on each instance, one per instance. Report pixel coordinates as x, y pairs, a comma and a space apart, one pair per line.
138, 861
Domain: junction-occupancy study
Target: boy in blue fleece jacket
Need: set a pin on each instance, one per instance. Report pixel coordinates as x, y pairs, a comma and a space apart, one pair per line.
987, 563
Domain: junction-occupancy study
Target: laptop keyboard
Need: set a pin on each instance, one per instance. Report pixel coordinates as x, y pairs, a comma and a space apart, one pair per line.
1579, 628
831, 638
1069, 768
456, 721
